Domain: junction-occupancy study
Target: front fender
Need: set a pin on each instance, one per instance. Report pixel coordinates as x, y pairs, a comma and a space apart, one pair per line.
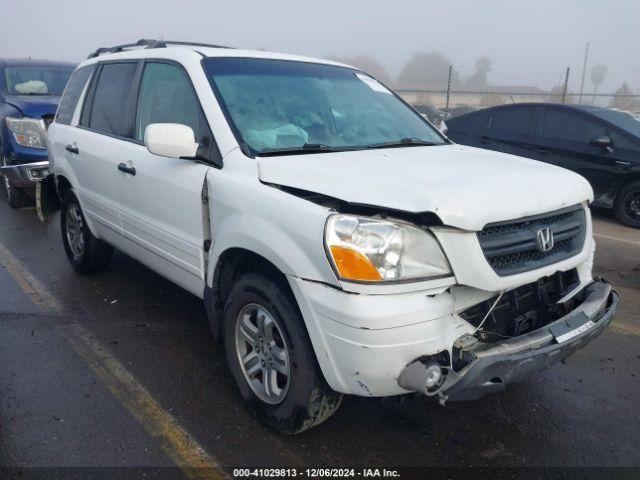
283, 229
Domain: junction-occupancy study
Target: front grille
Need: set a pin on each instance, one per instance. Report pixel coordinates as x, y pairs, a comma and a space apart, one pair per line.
523, 309
513, 247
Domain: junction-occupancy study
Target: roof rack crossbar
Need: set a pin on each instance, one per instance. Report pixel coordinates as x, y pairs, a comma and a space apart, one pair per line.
149, 43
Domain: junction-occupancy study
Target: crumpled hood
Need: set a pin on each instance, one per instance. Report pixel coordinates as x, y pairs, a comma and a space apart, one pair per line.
34, 106
466, 187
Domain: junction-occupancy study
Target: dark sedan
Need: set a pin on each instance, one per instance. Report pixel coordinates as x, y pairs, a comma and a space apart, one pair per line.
601, 144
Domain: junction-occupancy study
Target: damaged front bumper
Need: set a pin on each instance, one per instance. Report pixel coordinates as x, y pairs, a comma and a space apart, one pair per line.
491, 366
26, 175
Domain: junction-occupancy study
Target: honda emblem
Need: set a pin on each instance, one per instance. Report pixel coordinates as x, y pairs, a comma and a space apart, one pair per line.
545, 239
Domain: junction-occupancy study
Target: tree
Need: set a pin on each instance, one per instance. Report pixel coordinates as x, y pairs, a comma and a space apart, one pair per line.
623, 101
597, 77
427, 69
479, 77
367, 64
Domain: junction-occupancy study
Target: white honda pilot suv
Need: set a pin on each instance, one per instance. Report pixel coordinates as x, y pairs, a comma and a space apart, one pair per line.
341, 243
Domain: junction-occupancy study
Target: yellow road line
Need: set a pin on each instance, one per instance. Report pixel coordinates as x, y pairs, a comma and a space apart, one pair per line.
30, 285
176, 442
617, 239
625, 329
183, 450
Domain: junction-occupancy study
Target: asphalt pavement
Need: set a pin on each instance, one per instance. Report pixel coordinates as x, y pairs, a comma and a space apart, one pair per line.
119, 369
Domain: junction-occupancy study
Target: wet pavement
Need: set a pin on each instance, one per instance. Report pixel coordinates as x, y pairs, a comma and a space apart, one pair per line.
61, 404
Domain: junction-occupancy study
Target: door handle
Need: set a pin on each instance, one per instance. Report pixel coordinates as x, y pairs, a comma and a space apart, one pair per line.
484, 139
72, 149
623, 164
123, 168
541, 151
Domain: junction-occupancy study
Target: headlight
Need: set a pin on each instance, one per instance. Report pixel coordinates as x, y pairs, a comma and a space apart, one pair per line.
371, 250
28, 132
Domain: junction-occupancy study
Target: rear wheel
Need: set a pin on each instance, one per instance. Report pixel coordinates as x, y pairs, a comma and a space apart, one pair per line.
271, 357
86, 253
627, 208
16, 198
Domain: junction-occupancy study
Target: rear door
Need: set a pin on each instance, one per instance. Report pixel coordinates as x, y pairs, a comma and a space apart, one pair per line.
98, 145
162, 207
60, 136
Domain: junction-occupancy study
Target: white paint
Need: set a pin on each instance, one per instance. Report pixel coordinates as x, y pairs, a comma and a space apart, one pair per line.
171, 140
466, 187
363, 335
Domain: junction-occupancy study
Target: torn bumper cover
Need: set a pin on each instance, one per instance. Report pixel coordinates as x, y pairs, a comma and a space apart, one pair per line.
497, 364
26, 175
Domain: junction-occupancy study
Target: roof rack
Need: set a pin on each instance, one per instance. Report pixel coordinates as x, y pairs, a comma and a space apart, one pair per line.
149, 43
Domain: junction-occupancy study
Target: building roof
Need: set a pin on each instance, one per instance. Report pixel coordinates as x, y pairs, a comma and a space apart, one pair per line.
34, 62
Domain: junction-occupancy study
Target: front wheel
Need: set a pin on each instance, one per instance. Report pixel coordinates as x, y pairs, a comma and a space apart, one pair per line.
85, 252
627, 208
271, 357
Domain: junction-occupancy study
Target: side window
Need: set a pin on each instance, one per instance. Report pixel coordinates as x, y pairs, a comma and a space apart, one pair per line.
571, 127
110, 110
167, 96
516, 120
620, 141
72, 93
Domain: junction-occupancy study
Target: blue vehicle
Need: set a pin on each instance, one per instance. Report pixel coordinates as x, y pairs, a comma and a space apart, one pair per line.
29, 94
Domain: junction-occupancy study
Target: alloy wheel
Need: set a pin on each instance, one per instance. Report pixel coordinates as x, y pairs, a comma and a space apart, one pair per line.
632, 205
262, 353
74, 230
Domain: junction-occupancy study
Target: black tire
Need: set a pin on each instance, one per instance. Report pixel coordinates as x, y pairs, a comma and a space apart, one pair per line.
627, 208
95, 255
16, 198
308, 400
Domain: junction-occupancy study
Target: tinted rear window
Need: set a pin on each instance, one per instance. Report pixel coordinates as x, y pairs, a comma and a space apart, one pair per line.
72, 93
621, 119
111, 109
517, 120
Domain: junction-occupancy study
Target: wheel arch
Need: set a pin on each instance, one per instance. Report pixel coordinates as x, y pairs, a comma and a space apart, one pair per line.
633, 177
236, 261
229, 266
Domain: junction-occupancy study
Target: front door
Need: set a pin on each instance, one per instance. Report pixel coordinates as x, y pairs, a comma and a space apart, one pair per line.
161, 198
510, 130
566, 140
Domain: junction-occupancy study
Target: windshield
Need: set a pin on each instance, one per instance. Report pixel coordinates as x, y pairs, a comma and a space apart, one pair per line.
286, 106
36, 80
621, 119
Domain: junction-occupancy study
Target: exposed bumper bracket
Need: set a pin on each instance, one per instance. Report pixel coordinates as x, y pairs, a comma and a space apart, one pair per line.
26, 175
498, 364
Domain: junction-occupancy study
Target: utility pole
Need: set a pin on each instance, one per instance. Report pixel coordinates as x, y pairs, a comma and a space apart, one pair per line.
446, 107
564, 89
584, 70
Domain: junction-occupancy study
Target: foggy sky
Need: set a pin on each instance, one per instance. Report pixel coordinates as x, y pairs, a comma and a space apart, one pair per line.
530, 42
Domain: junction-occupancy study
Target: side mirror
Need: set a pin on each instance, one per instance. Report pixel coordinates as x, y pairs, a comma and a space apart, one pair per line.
603, 142
172, 140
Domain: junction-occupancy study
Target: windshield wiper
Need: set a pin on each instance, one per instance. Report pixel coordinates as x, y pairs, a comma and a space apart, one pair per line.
404, 142
306, 148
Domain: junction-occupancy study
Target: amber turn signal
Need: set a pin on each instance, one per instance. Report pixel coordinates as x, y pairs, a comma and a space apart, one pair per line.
352, 265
